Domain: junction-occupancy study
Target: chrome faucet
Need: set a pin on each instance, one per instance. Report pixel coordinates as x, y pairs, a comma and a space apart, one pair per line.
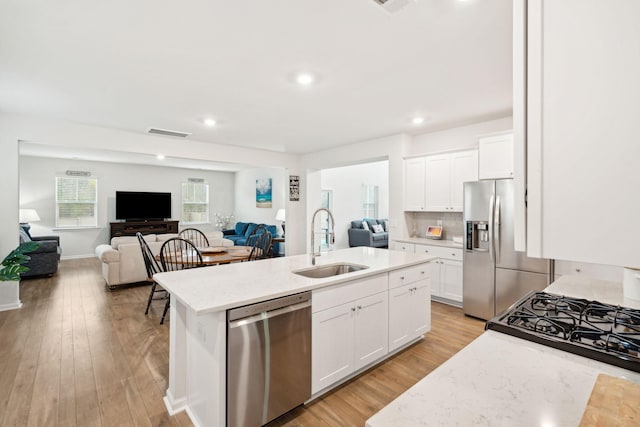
332, 234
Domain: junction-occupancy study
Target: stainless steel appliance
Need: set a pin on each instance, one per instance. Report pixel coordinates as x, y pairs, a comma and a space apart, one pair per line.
268, 359
603, 332
494, 274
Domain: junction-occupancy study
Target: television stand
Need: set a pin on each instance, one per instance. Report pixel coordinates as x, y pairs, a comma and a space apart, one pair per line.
130, 228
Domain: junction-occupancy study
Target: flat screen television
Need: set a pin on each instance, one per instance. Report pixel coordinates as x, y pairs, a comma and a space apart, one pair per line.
138, 205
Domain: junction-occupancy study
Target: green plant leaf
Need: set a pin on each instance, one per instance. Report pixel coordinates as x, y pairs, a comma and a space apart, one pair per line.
12, 264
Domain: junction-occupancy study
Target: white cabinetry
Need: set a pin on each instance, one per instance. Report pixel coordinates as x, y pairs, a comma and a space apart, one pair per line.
594, 271
582, 160
402, 246
409, 305
495, 156
349, 329
446, 272
434, 183
414, 180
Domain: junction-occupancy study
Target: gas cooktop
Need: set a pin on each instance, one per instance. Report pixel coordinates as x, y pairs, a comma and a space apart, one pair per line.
603, 332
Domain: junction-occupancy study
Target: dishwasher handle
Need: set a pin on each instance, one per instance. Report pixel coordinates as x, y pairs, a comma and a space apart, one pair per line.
268, 314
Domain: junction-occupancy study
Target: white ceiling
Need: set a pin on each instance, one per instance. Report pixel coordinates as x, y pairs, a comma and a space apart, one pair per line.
136, 64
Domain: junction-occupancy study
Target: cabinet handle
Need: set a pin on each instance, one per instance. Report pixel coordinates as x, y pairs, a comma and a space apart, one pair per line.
353, 309
401, 277
422, 272
359, 307
577, 270
453, 254
426, 251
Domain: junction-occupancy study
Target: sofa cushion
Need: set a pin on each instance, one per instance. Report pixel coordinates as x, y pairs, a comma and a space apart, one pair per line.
377, 228
385, 224
241, 228
127, 240
356, 224
250, 227
161, 237
380, 236
365, 225
371, 223
106, 253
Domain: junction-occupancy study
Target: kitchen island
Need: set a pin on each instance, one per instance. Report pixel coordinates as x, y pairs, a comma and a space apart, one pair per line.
201, 297
500, 380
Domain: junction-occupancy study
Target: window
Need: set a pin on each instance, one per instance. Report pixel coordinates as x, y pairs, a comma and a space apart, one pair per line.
76, 201
370, 201
195, 203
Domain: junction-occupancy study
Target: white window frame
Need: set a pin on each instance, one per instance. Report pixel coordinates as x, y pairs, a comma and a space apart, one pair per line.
370, 201
93, 202
191, 202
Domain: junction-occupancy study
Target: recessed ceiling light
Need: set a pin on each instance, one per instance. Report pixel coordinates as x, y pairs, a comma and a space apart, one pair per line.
417, 120
305, 79
209, 122
160, 156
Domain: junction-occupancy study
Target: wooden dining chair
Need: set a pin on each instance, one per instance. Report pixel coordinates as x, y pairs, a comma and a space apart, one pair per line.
195, 236
262, 246
178, 254
152, 267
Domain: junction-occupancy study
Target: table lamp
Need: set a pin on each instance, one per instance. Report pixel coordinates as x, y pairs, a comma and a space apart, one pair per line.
27, 216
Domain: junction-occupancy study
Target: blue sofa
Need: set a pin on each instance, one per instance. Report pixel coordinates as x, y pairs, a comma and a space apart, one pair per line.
243, 230
360, 236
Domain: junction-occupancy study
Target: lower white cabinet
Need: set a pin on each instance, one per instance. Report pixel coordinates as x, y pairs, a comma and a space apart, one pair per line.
358, 323
351, 335
409, 313
446, 272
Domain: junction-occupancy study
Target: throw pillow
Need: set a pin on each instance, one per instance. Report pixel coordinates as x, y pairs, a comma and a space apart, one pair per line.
385, 225
24, 237
365, 225
377, 228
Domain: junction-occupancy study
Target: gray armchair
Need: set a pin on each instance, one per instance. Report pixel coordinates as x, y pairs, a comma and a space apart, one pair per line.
44, 260
359, 236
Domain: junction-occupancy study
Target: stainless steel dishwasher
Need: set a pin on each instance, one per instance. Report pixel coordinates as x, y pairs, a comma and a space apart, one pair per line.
268, 359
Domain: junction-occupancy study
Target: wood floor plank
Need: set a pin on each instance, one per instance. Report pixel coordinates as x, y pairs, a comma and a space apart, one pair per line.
79, 355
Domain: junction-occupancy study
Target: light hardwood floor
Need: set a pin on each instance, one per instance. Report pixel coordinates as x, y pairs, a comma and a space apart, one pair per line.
79, 355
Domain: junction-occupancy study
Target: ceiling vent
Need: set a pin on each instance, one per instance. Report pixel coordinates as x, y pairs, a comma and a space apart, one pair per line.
167, 132
393, 5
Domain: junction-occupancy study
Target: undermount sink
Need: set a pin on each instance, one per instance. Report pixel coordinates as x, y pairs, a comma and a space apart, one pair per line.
330, 270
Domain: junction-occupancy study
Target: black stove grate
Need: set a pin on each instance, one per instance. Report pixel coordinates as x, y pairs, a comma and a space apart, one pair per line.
604, 332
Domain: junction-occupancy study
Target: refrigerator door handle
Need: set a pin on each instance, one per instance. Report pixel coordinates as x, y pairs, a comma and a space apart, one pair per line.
496, 229
492, 253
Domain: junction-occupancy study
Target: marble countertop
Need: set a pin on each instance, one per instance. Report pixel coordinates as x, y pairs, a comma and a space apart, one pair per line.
500, 380
221, 287
432, 242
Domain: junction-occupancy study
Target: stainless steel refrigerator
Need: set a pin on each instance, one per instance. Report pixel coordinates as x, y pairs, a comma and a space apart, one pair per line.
495, 275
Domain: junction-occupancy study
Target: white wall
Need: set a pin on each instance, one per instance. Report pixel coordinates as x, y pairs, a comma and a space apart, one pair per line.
392, 148
37, 185
346, 184
460, 138
245, 195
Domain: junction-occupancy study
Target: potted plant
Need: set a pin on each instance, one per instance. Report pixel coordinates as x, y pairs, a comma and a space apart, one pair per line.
12, 264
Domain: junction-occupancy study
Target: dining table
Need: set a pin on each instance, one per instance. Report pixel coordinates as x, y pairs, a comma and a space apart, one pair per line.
215, 255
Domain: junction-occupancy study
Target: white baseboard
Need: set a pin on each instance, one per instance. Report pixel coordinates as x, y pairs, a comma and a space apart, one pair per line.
12, 306
174, 406
66, 257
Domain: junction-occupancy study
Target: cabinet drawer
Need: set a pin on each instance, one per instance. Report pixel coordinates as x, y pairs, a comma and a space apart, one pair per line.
340, 294
440, 252
403, 246
408, 275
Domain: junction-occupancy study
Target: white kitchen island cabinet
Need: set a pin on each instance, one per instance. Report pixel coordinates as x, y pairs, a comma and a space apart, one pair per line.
201, 297
576, 108
351, 333
409, 316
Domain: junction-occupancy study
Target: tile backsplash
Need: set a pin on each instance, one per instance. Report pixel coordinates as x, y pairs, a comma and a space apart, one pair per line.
452, 223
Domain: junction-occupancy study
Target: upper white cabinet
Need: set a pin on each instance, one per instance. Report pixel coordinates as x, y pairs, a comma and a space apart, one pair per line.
414, 184
434, 183
495, 156
580, 100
